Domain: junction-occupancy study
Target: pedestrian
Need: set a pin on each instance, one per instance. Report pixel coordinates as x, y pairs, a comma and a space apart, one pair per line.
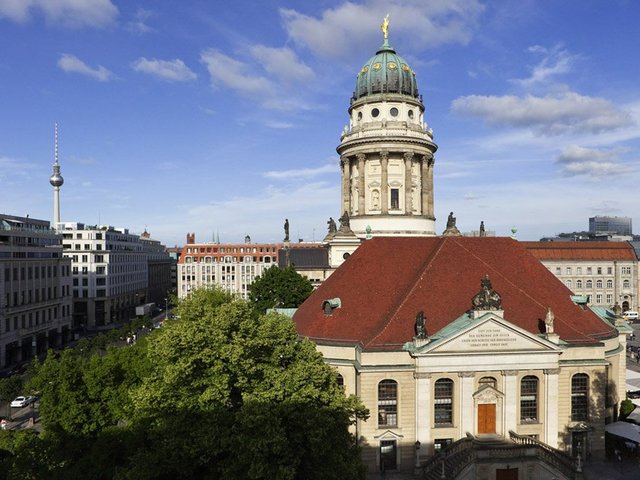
3, 424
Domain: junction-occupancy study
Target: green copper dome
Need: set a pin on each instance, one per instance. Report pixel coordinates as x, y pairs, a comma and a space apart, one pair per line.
386, 72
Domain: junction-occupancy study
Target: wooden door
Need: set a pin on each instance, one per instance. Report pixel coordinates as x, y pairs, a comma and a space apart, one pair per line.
487, 418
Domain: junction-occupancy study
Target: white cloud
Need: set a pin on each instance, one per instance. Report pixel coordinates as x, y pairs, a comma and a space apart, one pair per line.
576, 160
472, 196
170, 70
237, 76
282, 63
303, 172
66, 13
11, 167
72, 64
568, 112
279, 125
138, 24
555, 61
347, 29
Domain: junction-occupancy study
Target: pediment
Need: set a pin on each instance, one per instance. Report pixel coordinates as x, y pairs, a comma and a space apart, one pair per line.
389, 434
487, 394
489, 334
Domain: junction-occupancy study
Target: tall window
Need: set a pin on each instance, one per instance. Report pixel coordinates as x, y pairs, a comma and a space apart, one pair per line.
443, 407
387, 403
626, 284
578, 283
589, 284
569, 284
529, 399
609, 283
598, 283
395, 198
580, 396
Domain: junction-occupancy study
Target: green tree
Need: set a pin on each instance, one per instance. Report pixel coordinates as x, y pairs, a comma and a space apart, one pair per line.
279, 288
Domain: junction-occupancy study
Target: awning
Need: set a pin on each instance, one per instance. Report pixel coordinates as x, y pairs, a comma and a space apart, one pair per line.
626, 430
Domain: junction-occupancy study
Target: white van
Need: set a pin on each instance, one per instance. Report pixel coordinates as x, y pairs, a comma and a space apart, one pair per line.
629, 315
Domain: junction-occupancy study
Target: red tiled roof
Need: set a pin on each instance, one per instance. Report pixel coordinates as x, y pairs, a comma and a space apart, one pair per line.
387, 281
581, 250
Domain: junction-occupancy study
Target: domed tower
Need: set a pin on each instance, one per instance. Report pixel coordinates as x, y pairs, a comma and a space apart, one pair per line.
386, 153
56, 181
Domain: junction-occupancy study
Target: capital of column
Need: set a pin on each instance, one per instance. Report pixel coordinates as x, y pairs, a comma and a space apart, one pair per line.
408, 155
419, 375
466, 374
361, 157
384, 155
508, 373
551, 371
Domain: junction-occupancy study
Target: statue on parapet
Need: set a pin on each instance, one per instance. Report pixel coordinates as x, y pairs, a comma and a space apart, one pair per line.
286, 229
487, 298
421, 325
332, 225
451, 230
549, 318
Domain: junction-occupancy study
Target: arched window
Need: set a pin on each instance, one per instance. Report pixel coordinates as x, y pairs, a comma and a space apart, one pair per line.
626, 284
580, 397
529, 399
609, 283
578, 283
598, 283
589, 284
340, 380
388, 403
443, 402
569, 284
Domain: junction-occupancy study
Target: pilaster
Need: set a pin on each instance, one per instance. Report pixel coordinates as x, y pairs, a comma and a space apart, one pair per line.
466, 403
424, 184
408, 202
510, 409
384, 193
423, 409
345, 164
551, 406
361, 183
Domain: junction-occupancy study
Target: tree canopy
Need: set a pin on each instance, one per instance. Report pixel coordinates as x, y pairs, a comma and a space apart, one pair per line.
220, 393
282, 288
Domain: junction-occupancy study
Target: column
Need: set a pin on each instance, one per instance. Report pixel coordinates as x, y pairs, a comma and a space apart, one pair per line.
384, 188
424, 411
361, 157
510, 407
550, 406
466, 403
424, 185
345, 165
408, 201
430, 212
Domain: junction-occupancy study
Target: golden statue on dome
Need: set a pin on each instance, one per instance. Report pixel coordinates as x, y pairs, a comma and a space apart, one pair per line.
385, 27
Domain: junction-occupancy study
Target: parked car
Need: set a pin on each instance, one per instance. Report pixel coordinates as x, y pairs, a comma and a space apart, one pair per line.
20, 402
632, 316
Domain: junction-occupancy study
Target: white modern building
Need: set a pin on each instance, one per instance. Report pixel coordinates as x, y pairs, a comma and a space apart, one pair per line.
35, 290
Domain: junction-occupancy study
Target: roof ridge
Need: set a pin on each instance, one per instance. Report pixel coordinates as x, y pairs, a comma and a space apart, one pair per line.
412, 286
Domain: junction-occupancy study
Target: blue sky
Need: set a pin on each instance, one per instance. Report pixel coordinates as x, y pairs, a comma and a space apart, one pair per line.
223, 117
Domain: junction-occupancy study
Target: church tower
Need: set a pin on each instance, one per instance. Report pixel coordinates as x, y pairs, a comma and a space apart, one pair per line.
56, 181
386, 153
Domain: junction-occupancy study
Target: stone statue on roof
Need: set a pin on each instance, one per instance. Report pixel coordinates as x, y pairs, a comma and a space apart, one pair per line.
286, 229
482, 231
421, 325
548, 320
344, 221
451, 230
332, 225
487, 298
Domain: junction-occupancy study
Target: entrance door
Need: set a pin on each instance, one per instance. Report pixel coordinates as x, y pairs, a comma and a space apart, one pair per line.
388, 455
487, 418
507, 474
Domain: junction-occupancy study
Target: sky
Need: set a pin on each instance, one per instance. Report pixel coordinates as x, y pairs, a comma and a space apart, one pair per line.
222, 118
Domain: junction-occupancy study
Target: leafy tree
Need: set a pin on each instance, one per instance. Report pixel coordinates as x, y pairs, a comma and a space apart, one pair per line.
279, 288
626, 408
220, 393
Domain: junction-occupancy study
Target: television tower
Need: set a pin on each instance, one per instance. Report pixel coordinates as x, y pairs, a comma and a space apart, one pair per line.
56, 181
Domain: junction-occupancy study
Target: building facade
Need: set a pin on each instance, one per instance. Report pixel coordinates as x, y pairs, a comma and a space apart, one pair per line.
605, 271
111, 272
447, 337
232, 267
610, 225
35, 290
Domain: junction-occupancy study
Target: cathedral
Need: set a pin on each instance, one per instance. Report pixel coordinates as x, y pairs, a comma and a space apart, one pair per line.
474, 360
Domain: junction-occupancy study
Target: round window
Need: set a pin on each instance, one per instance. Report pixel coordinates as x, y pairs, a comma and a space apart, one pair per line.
346, 255
394, 112
359, 115
375, 112
410, 113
